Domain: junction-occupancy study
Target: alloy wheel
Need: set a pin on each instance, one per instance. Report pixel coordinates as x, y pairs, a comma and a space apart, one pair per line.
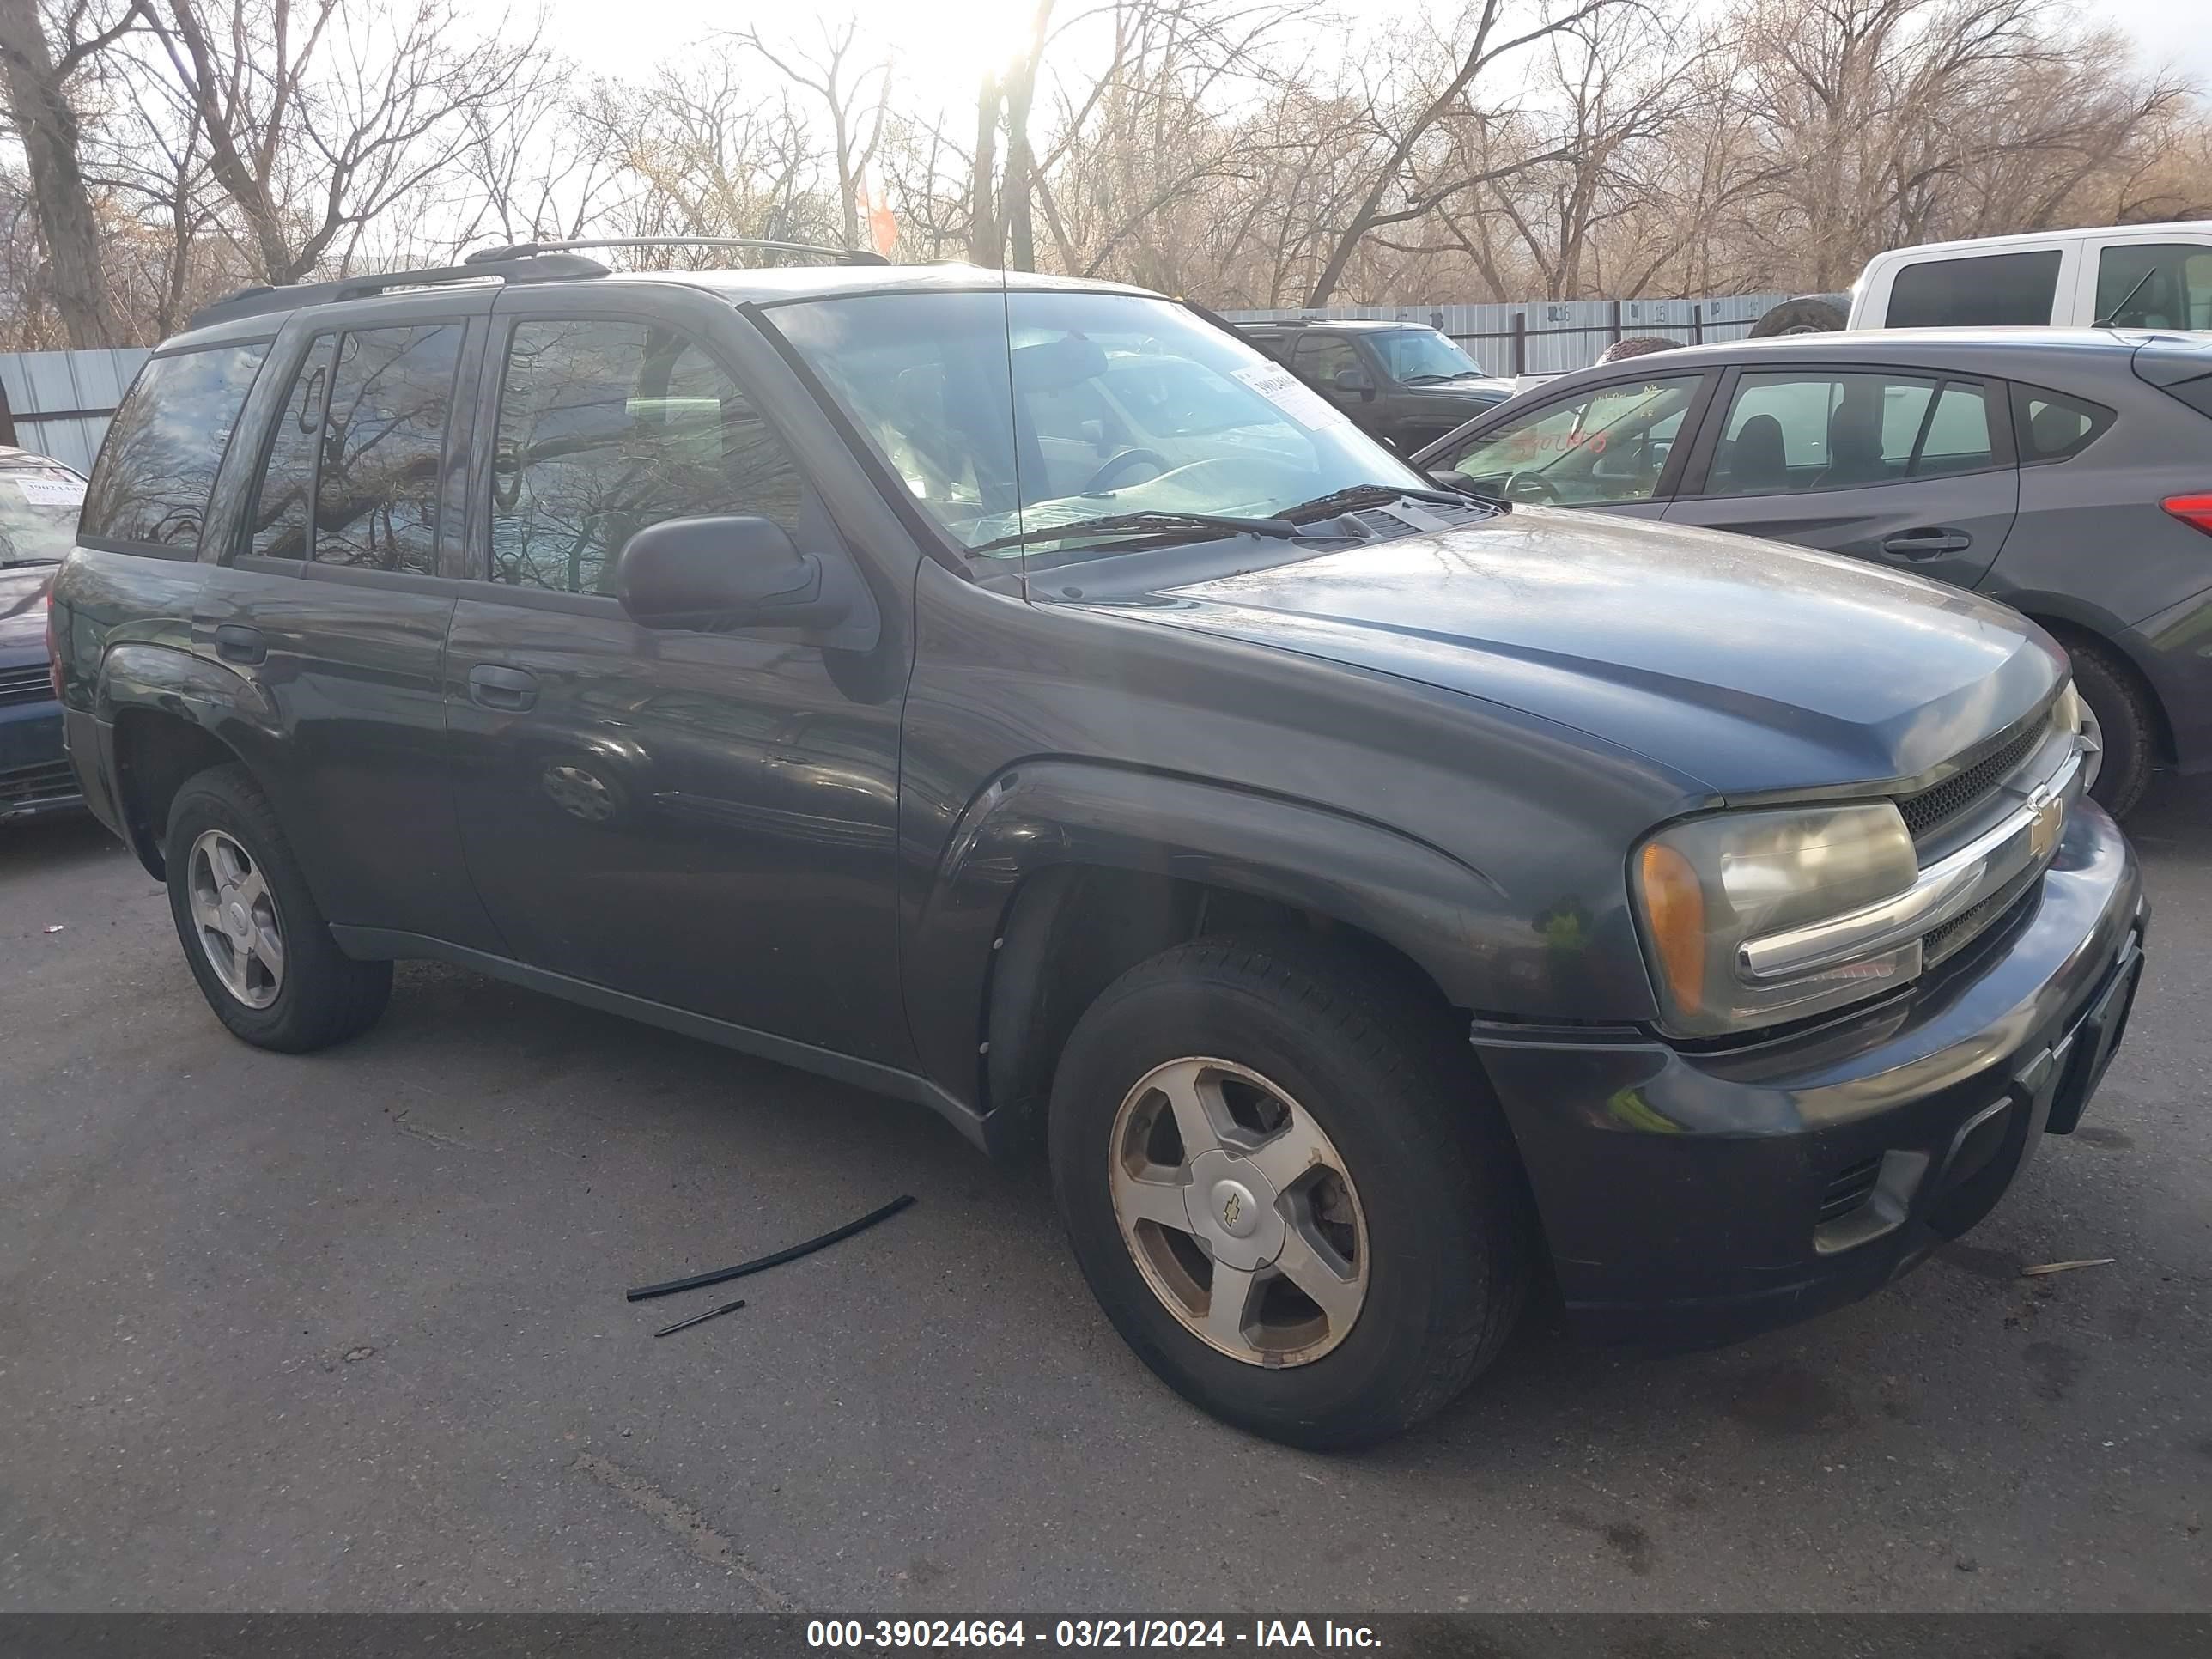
1239, 1211
234, 919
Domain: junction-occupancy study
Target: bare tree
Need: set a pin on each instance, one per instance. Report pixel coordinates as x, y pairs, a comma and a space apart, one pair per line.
321, 117
46, 123
853, 89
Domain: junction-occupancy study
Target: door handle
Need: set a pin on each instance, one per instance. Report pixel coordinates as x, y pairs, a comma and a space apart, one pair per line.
1926, 544
236, 642
496, 687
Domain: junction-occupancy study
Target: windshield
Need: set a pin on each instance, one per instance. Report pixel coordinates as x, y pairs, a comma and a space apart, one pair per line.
1422, 354
1012, 415
38, 508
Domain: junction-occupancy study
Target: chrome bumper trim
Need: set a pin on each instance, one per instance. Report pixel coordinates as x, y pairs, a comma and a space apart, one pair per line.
2024, 840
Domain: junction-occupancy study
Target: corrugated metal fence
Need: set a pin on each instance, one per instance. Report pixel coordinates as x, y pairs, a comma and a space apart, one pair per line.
57, 402
1550, 336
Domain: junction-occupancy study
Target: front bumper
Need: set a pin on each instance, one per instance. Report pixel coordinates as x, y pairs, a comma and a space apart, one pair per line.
34, 770
1690, 1198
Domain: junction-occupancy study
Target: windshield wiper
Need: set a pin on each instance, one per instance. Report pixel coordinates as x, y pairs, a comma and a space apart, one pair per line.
1369, 494
1427, 379
1280, 529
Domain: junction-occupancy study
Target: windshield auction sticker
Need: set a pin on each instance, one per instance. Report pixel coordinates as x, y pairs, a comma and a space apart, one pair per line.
1293, 396
52, 492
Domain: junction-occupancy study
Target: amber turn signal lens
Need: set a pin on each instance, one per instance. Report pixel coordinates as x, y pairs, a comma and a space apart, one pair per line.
1674, 904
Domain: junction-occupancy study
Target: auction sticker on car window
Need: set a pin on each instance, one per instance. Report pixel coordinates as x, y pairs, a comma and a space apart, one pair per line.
1293, 396
52, 492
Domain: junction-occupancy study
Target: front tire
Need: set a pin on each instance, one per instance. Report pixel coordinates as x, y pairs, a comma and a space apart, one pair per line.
259, 948
2125, 728
1273, 1117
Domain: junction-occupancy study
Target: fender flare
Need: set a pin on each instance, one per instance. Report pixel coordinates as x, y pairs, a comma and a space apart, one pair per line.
172, 682
1053, 813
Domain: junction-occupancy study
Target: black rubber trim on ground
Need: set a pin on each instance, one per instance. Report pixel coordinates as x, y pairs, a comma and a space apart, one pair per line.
723, 1275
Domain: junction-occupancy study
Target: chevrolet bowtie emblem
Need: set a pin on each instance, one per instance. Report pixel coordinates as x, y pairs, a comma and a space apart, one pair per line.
1229, 1212
2043, 828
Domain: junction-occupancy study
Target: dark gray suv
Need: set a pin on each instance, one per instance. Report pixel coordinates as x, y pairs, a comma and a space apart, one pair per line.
1021, 696
2068, 473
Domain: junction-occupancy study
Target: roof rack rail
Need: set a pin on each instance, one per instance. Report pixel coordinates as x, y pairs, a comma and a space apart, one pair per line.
291, 296
846, 256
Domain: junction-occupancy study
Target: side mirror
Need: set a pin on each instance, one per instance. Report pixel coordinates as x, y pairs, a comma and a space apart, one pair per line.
1358, 380
706, 575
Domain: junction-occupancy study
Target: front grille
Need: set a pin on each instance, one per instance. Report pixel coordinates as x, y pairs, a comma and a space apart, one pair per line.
1941, 944
1852, 1187
46, 781
1938, 804
26, 683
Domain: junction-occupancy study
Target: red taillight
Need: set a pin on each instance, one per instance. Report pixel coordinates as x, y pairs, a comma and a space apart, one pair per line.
2194, 511
53, 647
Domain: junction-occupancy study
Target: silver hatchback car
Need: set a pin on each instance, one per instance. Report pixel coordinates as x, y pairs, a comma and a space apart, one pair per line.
2067, 472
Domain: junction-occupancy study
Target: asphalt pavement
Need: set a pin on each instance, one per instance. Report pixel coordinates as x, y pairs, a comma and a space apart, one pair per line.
347, 1332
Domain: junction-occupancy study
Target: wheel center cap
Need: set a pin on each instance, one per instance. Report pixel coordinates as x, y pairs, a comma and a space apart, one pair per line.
1239, 1211
1232, 1207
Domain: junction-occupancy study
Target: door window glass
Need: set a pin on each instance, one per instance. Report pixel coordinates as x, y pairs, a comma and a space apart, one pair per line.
607, 427
1787, 433
2155, 285
1987, 291
1958, 435
1606, 447
1322, 357
383, 448
2052, 427
150, 484
278, 522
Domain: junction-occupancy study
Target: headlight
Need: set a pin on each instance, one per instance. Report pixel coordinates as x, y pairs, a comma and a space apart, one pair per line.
2067, 714
1705, 886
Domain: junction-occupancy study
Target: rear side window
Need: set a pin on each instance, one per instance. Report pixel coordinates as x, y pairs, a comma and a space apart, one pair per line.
1989, 290
2053, 427
150, 485
363, 438
383, 451
278, 523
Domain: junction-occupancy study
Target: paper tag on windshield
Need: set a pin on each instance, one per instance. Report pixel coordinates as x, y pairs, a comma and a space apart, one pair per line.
1293, 396
52, 492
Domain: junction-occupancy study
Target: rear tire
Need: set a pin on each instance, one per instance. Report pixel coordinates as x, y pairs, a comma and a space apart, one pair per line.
252, 935
2126, 726
1438, 1226
1807, 315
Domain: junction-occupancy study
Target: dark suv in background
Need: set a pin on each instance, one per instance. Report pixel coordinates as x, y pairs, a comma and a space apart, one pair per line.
2068, 473
1020, 696
1404, 383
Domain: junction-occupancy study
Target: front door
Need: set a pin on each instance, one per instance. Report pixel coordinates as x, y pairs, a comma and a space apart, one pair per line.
1906, 469
703, 820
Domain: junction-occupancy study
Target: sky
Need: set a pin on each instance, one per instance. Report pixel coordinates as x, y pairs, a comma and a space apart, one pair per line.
939, 41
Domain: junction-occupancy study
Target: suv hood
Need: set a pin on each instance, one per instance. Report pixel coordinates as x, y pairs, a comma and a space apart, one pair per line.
22, 609
1746, 665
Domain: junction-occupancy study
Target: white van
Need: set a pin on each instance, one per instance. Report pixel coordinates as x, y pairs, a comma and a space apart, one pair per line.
2131, 275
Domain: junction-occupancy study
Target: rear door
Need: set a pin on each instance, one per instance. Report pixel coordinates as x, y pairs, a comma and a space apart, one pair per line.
334, 595
1900, 467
